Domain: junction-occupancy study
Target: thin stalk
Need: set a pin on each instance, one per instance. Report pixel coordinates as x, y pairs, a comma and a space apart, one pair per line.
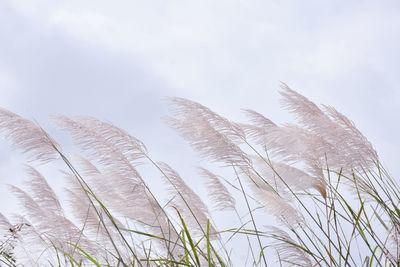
251, 215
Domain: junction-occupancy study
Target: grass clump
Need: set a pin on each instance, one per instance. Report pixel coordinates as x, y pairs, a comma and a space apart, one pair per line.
312, 193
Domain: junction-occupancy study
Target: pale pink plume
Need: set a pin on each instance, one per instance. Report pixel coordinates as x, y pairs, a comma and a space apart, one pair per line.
131, 147
288, 250
42, 193
90, 222
4, 222
360, 151
278, 206
286, 178
345, 147
189, 204
126, 197
394, 243
31, 249
213, 136
7, 230
217, 192
259, 128
51, 227
109, 151
27, 136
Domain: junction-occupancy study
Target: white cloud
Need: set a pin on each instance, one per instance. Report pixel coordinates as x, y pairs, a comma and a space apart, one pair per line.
203, 46
336, 52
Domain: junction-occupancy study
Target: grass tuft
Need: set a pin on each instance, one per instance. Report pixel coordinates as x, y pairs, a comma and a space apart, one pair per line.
309, 193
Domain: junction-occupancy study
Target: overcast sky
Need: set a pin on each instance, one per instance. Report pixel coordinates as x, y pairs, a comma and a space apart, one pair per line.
118, 60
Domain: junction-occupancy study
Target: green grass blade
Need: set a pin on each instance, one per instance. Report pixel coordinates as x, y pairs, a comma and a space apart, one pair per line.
208, 244
86, 254
189, 238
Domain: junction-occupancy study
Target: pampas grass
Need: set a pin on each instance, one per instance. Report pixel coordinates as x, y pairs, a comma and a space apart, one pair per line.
313, 193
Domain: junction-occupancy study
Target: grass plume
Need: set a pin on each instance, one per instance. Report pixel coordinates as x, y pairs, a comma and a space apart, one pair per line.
309, 193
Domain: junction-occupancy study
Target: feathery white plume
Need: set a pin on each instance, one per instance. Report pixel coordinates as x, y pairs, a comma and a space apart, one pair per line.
42, 193
290, 253
278, 206
27, 136
217, 192
213, 136
345, 147
323, 139
104, 145
4, 223
6, 230
259, 128
393, 250
283, 178
127, 197
53, 228
131, 147
31, 249
189, 204
89, 221
360, 151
